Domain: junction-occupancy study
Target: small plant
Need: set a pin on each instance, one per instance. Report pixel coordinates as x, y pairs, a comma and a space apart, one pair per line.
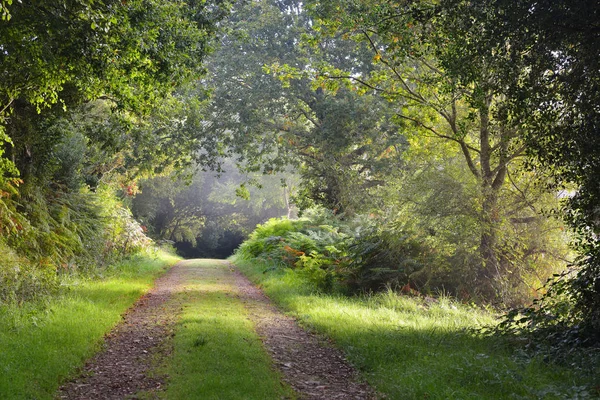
200, 341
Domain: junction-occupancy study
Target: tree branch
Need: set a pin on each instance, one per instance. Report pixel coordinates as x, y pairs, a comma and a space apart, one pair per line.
465, 148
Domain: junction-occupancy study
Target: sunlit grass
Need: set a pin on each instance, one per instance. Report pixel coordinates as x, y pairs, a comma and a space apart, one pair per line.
41, 345
217, 353
411, 349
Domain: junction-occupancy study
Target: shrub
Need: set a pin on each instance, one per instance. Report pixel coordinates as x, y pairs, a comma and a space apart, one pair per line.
316, 268
56, 231
21, 280
332, 253
380, 257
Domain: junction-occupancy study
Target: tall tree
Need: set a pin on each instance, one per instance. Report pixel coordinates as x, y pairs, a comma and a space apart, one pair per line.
344, 143
553, 96
61, 54
420, 49
78, 81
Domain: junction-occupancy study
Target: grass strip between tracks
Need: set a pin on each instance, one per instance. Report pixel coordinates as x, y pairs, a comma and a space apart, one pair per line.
217, 353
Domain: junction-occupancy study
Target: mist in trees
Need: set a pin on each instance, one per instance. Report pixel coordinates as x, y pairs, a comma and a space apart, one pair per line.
462, 132
211, 215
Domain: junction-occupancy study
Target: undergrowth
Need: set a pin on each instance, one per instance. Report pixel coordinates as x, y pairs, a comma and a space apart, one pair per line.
47, 235
337, 255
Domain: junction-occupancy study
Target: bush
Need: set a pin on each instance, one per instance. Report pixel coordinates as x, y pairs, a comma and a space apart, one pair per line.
294, 243
52, 233
381, 257
336, 254
21, 280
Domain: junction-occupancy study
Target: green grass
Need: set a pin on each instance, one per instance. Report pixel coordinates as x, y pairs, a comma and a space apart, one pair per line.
411, 350
42, 345
217, 353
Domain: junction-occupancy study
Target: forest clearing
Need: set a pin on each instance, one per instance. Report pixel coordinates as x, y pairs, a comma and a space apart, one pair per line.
411, 186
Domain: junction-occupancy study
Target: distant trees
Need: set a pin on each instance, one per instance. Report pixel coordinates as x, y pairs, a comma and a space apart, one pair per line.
211, 215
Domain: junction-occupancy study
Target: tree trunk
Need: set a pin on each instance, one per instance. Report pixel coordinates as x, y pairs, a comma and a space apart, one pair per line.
489, 270
492, 180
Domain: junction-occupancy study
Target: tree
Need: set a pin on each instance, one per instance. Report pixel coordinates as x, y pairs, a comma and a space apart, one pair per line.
78, 81
57, 55
344, 143
420, 49
554, 98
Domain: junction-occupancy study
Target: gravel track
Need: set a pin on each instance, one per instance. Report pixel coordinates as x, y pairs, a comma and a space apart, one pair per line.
126, 365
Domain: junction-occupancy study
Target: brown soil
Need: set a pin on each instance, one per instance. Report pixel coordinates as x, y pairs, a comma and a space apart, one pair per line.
132, 349
127, 364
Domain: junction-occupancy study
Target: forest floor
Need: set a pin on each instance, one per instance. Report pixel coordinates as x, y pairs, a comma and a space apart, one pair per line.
127, 365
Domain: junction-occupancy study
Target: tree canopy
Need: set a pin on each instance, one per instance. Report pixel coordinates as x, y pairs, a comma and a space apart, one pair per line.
92, 94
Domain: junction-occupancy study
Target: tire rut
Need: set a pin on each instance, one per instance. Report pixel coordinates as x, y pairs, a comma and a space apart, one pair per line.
131, 350
126, 365
311, 365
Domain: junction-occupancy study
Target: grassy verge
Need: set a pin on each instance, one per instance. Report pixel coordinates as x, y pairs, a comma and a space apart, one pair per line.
408, 349
42, 345
217, 353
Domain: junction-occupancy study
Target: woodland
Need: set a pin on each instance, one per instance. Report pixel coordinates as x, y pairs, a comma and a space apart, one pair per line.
425, 147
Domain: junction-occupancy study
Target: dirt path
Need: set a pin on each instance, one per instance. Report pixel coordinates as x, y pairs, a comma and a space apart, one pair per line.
124, 368
311, 366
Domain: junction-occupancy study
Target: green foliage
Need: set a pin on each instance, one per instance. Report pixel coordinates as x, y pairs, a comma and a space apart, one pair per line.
316, 269
547, 74
269, 240
418, 64
274, 228
343, 143
59, 233
79, 81
21, 280
133, 51
553, 327
123, 235
336, 255
384, 256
